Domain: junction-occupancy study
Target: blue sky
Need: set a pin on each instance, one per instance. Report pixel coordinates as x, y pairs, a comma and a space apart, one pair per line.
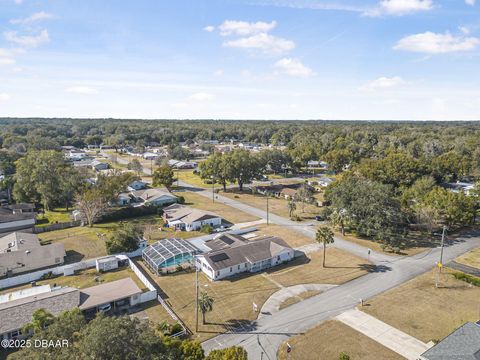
251, 59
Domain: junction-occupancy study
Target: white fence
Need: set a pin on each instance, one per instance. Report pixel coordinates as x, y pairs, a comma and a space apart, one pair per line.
33, 276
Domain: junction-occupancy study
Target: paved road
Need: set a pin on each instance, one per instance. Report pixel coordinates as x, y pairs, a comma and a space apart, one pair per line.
264, 336
464, 268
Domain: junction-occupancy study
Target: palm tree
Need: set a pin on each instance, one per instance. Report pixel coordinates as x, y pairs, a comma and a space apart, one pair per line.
324, 235
292, 206
206, 304
339, 218
40, 320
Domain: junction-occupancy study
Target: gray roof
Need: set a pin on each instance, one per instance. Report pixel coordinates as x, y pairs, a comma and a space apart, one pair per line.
462, 344
250, 251
187, 214
17, 313
225, 240
6, 215
107, 293
17, 241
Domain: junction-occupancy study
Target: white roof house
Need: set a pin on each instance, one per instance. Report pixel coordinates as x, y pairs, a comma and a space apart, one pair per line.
186, 218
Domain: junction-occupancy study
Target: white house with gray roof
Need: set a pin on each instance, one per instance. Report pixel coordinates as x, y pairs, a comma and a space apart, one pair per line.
233, 254
181, 217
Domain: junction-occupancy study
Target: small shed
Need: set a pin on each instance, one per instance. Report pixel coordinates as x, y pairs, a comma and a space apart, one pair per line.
106, 263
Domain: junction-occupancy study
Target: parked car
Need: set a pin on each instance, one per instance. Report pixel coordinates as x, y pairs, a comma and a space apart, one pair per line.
319, 218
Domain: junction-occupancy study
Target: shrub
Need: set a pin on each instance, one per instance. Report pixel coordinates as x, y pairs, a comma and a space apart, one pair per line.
181, 199
343, 356
207, 229
467, 278
131, 212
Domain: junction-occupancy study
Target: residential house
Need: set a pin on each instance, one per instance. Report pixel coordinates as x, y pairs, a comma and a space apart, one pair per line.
17, 308
288, 193
150, 156
271, 190
233, 254
325, 181
185, 218
17, 217
176, 164
462, 344
137, 185
22, 252
155, 196
76, 155
458, 186
98, 165
123, 199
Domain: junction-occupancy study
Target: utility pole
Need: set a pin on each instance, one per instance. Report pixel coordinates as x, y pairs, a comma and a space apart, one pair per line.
442, 245
267, 210
440, 263
196, 298
213, 189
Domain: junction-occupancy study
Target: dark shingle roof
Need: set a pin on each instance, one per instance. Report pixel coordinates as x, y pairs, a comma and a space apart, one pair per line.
462, 344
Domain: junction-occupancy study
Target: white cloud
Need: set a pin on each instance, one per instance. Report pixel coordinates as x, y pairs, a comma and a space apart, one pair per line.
209, 28
243, 28
470, 2
293, 67
383, 83
267, 43
434, 43
18, 2
6, 61
400, 7
219, 72
42, 15
464, 30
201, 96
26, 40
83, 90
4, 97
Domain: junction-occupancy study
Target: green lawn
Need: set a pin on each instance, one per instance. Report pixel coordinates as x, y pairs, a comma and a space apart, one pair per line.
54, 216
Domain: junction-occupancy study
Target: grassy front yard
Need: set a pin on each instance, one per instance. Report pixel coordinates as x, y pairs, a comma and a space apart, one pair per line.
227, 212
424, 311
329, 339
341, 267
277, 206
84, 279
234, 297
53, 216
300, 297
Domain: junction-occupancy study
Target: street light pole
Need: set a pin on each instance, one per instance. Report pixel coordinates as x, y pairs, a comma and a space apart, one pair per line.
441, 246
213, 189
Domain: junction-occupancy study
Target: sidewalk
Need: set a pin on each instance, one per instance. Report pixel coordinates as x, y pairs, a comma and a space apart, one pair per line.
396, 340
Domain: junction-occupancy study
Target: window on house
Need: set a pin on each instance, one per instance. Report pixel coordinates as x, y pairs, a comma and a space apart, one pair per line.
238, 267
278, 257
231, 269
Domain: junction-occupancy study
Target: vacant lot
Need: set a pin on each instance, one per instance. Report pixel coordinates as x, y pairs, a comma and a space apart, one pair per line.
329, 339
277, 206
228, 213
53, 216
472, 259
293, 238
233, 299
411, 249
424, 311
341, 267
85, 278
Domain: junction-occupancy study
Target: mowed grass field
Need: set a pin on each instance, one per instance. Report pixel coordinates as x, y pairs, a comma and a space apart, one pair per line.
293, 238
234, 298
84, 279
230, 214
424, 311
329, 339
277, 206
